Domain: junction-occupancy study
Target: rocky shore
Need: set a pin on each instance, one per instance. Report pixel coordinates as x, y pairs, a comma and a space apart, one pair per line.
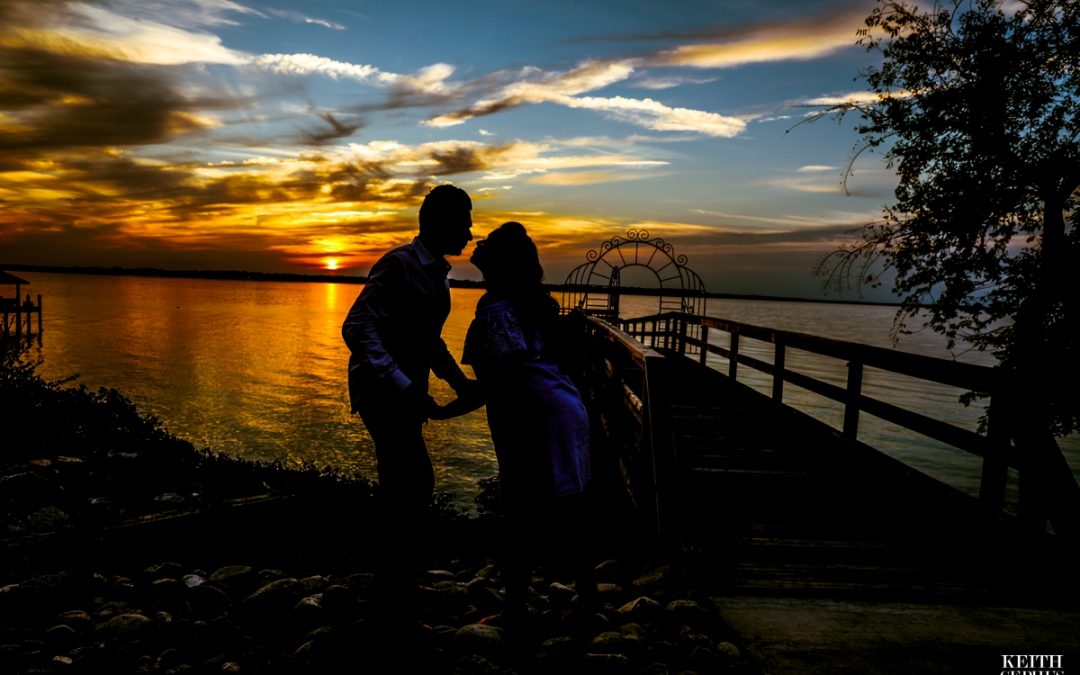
170, 618
125, 550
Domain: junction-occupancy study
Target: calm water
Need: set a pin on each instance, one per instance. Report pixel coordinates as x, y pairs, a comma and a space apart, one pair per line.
258, 369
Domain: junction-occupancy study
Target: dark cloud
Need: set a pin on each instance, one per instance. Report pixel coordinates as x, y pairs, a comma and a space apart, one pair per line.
335, 130
797, 16
465, 158
62, 101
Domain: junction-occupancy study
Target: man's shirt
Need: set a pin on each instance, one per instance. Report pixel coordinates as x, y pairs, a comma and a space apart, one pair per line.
393, 329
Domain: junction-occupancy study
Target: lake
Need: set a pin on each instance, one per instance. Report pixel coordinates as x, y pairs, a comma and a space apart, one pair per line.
257, 369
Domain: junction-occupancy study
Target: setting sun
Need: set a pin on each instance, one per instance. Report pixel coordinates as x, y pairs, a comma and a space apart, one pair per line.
331, 263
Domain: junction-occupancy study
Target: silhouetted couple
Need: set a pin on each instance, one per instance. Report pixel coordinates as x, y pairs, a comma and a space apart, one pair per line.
539, 426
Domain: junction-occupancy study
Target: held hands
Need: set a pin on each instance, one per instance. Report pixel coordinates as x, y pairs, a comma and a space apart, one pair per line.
470, 397
418, 400
468, 389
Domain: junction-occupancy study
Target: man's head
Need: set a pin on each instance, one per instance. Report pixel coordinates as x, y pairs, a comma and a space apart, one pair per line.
446, 220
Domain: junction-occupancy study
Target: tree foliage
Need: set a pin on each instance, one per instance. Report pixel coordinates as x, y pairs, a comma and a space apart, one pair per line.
977, 109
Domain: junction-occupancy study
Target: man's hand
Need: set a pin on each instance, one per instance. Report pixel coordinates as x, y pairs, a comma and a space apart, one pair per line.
456, 408
468, 389
419, 401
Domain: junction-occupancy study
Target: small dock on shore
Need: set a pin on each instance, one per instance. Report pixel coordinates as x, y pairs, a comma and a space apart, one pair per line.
826, 555
16, 314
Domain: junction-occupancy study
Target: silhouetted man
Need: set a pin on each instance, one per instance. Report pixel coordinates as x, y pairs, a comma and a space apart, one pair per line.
393, 331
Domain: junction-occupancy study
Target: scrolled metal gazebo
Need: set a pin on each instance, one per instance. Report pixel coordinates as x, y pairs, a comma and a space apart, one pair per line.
595, 286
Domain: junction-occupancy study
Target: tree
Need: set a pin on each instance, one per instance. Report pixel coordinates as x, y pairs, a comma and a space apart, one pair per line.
977, 109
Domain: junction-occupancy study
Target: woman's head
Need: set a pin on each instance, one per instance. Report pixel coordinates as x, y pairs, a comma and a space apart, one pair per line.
508, 259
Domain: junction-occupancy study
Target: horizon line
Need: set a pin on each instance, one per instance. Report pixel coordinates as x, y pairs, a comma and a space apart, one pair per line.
245, 275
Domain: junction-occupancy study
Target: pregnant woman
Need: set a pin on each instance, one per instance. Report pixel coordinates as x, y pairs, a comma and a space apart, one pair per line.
539, 425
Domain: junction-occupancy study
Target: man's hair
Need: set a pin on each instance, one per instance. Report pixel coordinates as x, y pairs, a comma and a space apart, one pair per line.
441, 202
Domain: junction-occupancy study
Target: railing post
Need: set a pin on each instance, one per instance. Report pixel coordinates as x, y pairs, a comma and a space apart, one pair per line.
682, 334
704, 344
778, 370
661, 448
995, 467
854, 392
733, 356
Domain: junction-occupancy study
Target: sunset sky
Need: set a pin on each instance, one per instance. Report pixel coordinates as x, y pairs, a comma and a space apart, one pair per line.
281, 136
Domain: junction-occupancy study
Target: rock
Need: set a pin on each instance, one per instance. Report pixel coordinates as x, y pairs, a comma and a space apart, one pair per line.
208, 600
238, 578
360, 581
635, 631
605, 664
12, 599
339, 601
168, 659
689, 639
610, 642
163, 570
609, 592
110, 609
488, 571
169, 500
231, 667
30, 489
728, 653
686, 612
643, 608
653, 579
561, 592
309, 611
485, 597
47, 519
268, 575
314, 584
193, 580
475, 664
703, 659
122, 587
609, 570
656, 669
75, 618
478, 638
449, 597
61, 637
559, 649
277, 596
40, 596
123, 627
169, 592
440, 575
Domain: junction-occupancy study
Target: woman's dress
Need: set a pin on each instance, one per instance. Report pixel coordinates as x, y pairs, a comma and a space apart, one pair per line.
538, 422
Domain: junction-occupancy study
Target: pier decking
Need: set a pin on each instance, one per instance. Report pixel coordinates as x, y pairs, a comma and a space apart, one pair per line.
826, 555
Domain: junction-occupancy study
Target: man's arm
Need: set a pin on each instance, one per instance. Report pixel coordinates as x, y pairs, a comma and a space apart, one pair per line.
371, 309
446, 368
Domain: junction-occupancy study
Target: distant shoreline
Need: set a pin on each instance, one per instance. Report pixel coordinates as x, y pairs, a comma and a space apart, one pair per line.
242, 275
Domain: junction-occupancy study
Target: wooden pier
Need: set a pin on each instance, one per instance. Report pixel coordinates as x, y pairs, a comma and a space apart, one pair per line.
16, 314
825, 554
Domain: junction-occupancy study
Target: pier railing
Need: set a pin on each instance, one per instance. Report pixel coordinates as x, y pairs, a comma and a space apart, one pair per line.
623, 385
689, 335
15, 317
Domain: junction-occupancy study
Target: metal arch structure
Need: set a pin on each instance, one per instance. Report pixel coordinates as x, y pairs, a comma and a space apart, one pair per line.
595, 287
